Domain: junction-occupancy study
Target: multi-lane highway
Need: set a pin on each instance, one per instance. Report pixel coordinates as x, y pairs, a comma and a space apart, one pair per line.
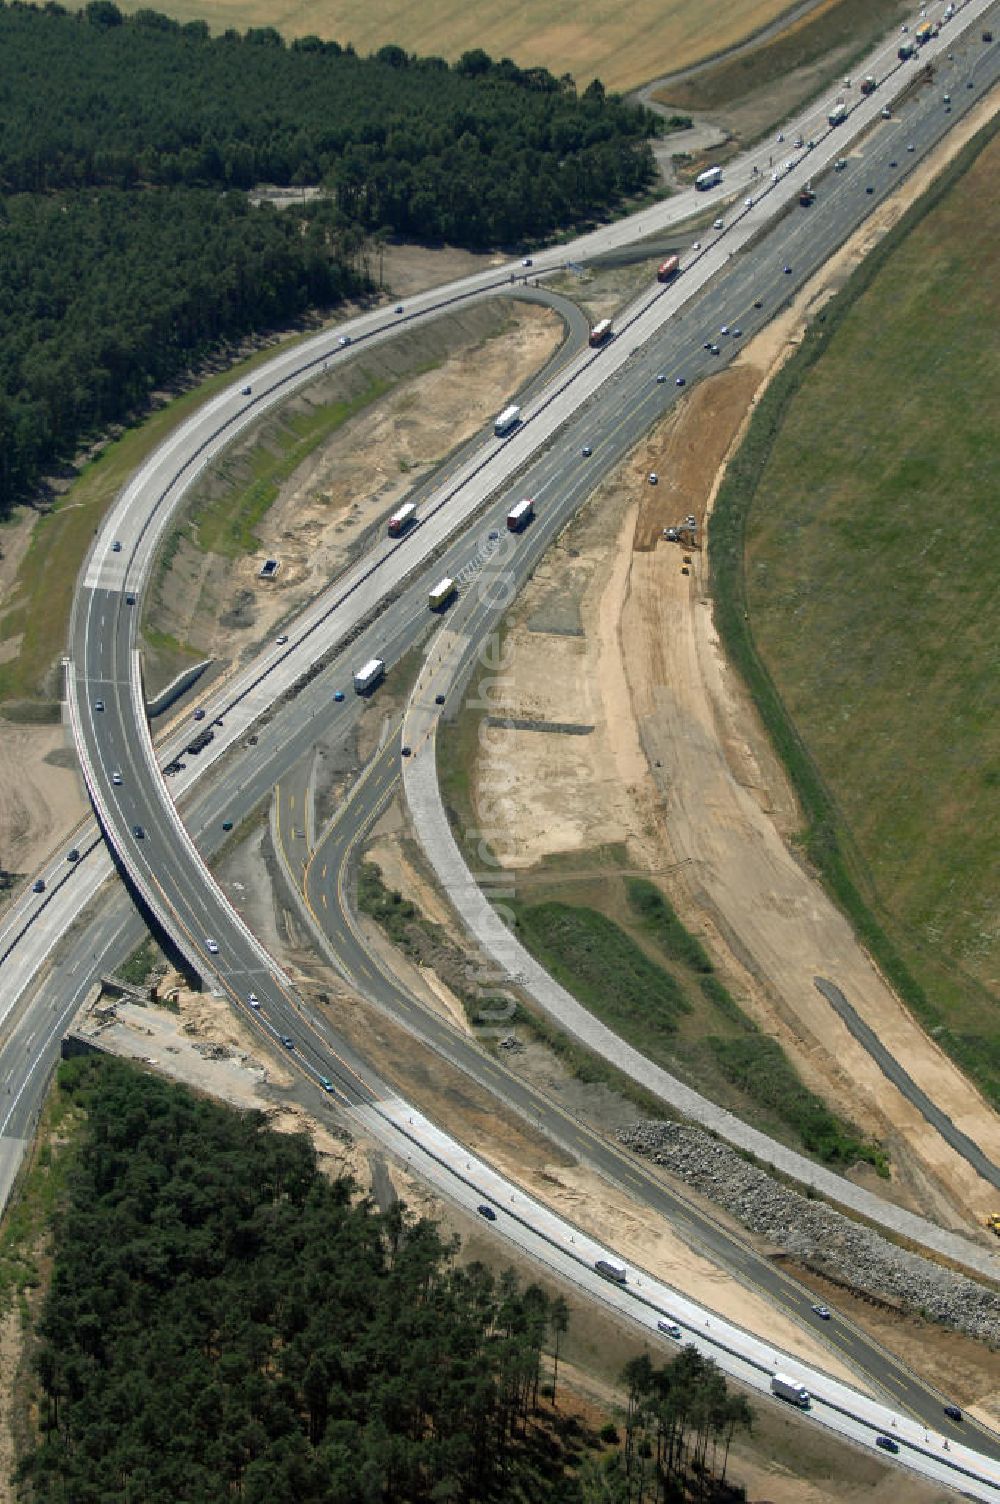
742, 266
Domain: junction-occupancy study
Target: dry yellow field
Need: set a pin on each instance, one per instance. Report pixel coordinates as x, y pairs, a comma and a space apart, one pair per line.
623, 42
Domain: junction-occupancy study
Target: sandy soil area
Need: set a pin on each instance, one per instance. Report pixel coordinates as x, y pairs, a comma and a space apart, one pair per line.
323, 512
676, 765
42, 795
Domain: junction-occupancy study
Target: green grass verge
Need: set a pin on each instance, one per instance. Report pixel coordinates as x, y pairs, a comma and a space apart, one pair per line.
758, 1066
227, 525
859, 22
139, 967
24, 1232
871, 583
659, 919
43, 589
607, 971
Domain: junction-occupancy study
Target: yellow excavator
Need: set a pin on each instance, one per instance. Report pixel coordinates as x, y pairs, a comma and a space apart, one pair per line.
993, 1223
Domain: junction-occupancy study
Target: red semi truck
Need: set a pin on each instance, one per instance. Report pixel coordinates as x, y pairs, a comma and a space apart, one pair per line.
668, 269
400, 521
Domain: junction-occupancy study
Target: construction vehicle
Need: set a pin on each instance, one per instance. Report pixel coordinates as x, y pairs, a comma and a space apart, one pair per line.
993, 1223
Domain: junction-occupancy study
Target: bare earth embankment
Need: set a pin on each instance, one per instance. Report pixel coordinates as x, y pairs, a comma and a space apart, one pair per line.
678, 768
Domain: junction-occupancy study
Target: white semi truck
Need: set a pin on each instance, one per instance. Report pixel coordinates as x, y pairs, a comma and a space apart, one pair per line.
520, 515
366, 677
790, 1390
507, 421
441, 594
710, 178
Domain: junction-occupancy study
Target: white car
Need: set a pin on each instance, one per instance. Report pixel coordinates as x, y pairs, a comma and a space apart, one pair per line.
116, 778
669, 1329
253, 1000
696, 245
653, 477
282, 639
212, 946
718, 224
748, 203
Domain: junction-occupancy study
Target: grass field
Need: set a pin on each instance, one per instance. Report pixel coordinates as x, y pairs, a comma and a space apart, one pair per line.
832, 26
623, 44
871, 567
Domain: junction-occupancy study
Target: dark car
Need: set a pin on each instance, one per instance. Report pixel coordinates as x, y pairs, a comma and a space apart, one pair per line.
680, 381
487, 1212
952, 1412
245, 391
586, 451
439, 699
288, 1041
787, 270
399, 307
338, 695
823, 1312
405, 750
38, 886
138, 832
199, 714
887, 1444
116, 547
227, 824
72, 855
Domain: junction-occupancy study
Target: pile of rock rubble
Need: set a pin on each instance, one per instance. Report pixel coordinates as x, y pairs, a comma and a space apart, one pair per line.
815, 1234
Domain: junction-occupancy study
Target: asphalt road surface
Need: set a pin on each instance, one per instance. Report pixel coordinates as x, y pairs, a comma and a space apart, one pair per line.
160, 859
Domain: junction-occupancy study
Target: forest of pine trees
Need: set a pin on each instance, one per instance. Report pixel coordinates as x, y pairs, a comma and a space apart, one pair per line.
223, 1321
127, 144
